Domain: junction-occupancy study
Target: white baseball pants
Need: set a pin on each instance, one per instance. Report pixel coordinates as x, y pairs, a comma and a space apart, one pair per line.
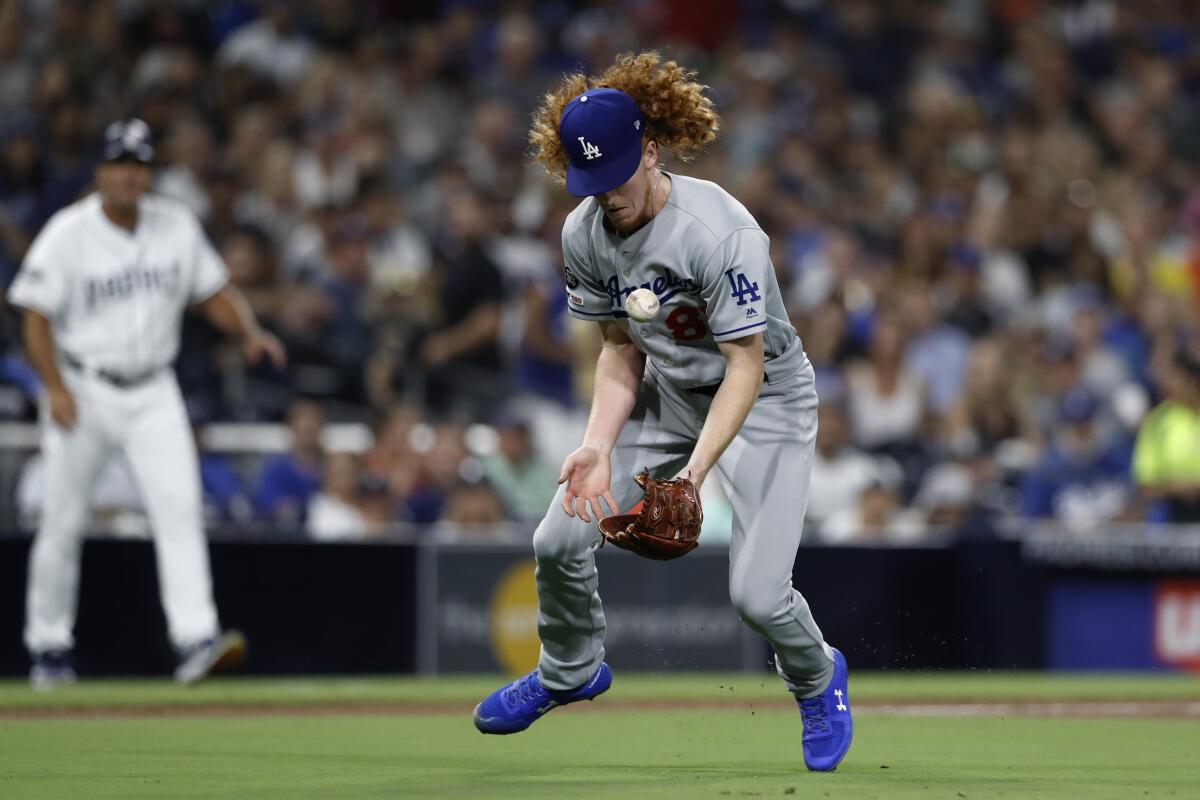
149, 425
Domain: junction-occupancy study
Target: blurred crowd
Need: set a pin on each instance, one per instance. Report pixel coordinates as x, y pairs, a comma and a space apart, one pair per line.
984, 214
466, 478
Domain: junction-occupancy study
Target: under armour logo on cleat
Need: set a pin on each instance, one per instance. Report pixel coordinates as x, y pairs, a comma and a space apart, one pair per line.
840, 705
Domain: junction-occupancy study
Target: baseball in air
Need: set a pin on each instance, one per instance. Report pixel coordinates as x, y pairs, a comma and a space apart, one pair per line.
642, 305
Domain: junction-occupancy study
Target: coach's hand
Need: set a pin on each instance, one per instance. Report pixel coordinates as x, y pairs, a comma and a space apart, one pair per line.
587, 474
260, 344
62, 408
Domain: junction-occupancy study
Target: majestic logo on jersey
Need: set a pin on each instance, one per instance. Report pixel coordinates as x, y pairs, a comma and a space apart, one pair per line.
740, 286
133, 281
589, 150
667, 282
751, 313
572, 279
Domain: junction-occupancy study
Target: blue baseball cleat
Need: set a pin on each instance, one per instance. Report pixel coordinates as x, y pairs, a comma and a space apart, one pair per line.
513, 708
828, 727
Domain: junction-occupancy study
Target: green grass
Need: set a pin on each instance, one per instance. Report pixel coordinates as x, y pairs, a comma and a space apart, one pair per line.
589, 752
906, 686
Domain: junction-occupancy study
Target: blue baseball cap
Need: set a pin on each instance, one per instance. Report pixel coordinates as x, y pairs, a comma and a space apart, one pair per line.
601, 131
128, 140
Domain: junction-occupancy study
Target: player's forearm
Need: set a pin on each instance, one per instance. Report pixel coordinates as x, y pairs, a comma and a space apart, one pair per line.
229, 312
39, 348
732, 403
618, 375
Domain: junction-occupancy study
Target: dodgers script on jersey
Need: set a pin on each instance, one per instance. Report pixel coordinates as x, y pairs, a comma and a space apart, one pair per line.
115, 296
709, 263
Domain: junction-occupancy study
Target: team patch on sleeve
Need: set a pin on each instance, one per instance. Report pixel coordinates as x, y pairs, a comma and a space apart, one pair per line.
38, 288
587, 298
738, 285
741, 288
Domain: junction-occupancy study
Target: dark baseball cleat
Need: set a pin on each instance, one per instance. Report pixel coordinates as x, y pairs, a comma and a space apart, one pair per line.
51, 669
218, 654
513, 708
828, 727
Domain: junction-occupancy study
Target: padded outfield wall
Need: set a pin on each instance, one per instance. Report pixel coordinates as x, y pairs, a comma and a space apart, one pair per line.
1040, 601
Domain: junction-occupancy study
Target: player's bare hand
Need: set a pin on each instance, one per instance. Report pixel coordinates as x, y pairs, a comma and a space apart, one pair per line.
260, 344
587, 473
62, 408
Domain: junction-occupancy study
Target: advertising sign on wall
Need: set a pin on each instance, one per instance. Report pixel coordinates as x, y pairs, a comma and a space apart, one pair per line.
480, 613
1124, 624
1177, 624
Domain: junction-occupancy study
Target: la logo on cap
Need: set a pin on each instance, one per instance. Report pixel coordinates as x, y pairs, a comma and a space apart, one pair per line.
589, 150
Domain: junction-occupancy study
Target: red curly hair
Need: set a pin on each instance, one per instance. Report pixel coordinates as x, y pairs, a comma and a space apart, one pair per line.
678, 115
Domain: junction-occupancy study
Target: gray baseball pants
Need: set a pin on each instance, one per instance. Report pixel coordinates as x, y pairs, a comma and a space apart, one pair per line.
765, 472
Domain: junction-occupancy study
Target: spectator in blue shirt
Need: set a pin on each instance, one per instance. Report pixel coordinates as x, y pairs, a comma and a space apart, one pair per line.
225, 497
287, 481
936, 352
545, 362
1083, 477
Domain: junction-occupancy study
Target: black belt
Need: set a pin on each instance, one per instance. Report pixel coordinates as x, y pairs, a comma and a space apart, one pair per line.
118, 379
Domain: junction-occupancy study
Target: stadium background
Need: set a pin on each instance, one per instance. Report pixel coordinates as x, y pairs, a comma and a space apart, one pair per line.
985, 217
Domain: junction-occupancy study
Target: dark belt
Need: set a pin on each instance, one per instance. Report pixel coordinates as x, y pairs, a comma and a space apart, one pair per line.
118, 379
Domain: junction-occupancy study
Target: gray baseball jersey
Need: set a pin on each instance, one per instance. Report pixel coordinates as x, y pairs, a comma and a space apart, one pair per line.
709, 263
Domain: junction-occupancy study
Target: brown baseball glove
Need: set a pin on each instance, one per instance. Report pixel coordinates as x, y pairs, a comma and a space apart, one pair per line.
668, 525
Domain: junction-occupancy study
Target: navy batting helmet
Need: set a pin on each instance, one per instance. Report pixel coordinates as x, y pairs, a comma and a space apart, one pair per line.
128, 140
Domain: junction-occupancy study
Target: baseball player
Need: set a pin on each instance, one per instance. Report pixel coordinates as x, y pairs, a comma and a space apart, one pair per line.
716, 381
103, 288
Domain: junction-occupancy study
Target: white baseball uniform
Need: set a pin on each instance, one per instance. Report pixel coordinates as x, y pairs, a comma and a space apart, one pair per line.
115, 300
709, 263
